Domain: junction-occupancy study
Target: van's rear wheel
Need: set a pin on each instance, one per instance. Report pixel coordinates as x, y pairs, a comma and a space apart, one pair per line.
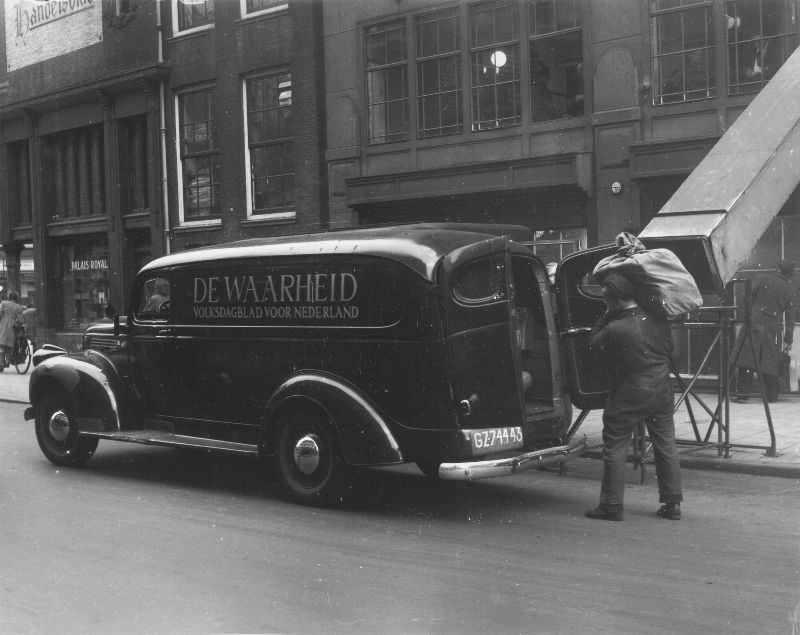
57, 433
308, 461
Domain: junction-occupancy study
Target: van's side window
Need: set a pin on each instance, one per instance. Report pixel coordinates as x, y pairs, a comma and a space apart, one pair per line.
155, 298
481, 281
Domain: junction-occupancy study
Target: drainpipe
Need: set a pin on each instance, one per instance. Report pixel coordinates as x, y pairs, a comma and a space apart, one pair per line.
162, 107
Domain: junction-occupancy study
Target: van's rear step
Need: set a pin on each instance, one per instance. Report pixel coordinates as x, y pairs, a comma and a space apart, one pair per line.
160, 437
473, 470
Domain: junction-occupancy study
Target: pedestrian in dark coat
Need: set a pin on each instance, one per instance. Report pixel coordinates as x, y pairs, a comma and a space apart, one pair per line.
635, 346
771, 331
10, 317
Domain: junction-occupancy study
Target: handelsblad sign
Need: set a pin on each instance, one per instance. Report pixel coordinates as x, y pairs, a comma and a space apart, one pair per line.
38, 30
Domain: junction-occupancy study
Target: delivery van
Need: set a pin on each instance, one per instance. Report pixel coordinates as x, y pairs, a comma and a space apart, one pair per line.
432, 344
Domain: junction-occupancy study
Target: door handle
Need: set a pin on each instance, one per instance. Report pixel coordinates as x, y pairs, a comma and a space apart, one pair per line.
165, 332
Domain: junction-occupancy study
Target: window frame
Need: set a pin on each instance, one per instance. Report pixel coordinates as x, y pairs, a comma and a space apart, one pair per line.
213, 153
386, 137
177, 31
421, 58
288, 212
534, 37
279, 5
475, 50
733, 23
712, 39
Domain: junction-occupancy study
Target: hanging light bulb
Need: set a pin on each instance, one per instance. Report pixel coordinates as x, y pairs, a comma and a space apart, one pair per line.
498, 59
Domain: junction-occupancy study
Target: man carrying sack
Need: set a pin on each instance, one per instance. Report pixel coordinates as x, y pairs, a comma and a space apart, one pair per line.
635, 345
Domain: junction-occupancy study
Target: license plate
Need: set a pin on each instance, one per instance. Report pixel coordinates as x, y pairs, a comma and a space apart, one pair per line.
495, 439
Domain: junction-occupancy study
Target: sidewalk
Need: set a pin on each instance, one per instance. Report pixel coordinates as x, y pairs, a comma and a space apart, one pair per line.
748, 426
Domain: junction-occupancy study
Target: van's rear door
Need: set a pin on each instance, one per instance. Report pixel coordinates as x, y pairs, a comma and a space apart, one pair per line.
579, 306
481, 331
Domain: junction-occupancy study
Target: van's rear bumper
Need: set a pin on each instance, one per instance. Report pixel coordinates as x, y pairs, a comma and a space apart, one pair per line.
474, 470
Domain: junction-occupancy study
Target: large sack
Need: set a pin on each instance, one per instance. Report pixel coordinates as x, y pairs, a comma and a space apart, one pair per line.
663, 284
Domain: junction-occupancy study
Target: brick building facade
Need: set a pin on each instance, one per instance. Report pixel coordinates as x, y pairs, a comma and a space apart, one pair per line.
132, 128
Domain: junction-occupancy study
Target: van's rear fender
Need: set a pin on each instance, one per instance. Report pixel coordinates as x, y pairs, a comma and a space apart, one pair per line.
92, 384
365, 435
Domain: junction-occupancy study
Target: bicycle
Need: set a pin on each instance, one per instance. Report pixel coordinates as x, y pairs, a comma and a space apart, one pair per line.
22, 352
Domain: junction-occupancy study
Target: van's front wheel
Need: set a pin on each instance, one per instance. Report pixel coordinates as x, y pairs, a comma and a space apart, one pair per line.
308, 460
57, 433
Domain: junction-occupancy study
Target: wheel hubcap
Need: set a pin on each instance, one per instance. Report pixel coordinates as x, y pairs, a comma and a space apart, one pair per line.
59, 425
306, 454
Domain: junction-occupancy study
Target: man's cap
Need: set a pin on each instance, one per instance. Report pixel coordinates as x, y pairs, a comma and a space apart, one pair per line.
616, 286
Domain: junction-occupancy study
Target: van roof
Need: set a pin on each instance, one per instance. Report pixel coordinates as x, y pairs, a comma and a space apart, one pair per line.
419, 247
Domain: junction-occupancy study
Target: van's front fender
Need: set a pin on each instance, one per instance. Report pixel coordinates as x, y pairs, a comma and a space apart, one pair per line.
89, 380
365, 435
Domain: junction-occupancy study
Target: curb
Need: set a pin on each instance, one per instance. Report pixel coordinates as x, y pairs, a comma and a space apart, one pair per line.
722, 465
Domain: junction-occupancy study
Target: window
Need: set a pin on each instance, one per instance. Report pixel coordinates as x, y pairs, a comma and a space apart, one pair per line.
193, 14
761, 34
387, 82
154, 300
198, 155
439, 96
84, 282
253, 7
270, 143
556, 58
494, 51
683, 53
481, 281
133, 172
74, 162
19, 183
552, 245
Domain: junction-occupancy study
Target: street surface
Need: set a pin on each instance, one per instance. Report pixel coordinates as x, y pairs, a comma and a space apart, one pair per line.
151, 540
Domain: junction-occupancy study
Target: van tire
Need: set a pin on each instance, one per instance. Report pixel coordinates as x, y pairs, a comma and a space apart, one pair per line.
308, 460
57, 433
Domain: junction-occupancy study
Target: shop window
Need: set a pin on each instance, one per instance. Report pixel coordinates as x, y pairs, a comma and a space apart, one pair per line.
683, 50
84, 287
552, 245
761, 34
270, 144
556, 58
199, 167
439, 92
133, 175
190, 15
494, 58
74, 163
19, 184
387, 82
254, 7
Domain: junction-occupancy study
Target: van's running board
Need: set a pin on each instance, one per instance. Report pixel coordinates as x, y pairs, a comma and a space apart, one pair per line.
159, 437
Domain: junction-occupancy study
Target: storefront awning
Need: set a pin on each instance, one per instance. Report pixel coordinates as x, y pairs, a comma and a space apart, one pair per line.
727, 202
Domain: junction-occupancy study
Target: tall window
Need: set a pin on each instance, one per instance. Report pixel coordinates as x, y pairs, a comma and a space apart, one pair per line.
192, 14
270, 143
494, 51
439, 97
198, 155
761, 34
683, 55
387, 82
133, 163
556, 56
19, 184
74, 163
